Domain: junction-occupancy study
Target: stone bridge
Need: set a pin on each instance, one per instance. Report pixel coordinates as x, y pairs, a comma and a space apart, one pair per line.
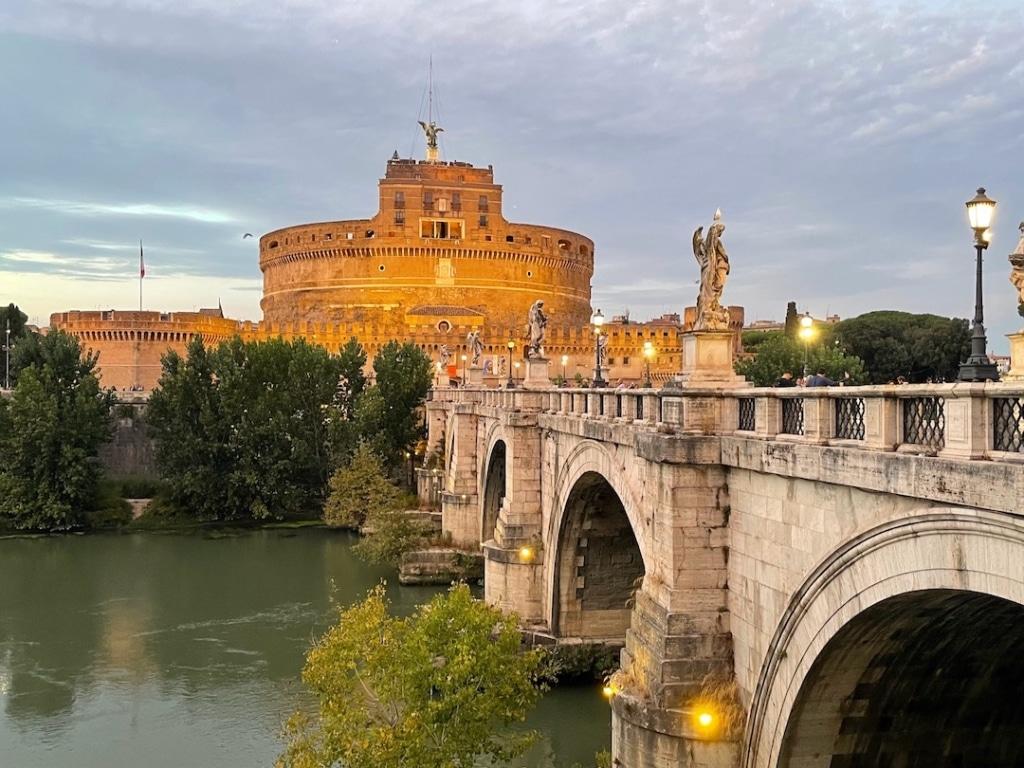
831, 577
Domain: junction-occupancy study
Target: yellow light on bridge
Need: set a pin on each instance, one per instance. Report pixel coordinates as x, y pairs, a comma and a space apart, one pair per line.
608, 691
705, 719
526, 554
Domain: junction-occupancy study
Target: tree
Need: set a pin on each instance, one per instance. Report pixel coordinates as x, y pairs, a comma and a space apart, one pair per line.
792, 321
438, 688
752, 340
917, 347
17, 319
50, 432
360, 490
243, 432
392, 533
387, 412
352, 381
778, 354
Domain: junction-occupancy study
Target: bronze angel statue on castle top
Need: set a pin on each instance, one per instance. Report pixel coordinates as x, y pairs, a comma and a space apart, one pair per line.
714, 269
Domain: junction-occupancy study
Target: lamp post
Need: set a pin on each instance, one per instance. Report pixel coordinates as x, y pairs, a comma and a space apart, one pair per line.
7, 356
517, 369
510, 384
463, 370
806, 333
565, 359
980, 210
597, 320
648, 354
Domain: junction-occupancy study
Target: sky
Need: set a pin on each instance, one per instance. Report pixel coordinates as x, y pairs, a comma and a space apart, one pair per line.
840, 140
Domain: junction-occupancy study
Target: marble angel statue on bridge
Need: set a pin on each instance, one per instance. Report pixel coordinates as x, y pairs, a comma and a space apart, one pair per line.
537, 323
475, 346
714, 269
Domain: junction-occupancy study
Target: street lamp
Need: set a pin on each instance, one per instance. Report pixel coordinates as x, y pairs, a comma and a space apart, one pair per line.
7, 357
565, 359
648, 354
510, 384
806, 333
463, 370
980, 210
597, 320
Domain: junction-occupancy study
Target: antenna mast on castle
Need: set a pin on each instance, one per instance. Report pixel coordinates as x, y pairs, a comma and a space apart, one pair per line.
430, 128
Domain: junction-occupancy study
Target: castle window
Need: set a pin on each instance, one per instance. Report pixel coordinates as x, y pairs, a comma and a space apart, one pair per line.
529, 273
273, 243
350, 235
380, 267
399, 199
483, 219
328, 236
399, 216
563, 245
509, 239
583, 250
444, 326
456, 202
441, 229
625, 360
483, 204
428, 201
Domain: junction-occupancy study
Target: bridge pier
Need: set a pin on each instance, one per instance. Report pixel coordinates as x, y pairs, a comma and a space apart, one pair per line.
513, 551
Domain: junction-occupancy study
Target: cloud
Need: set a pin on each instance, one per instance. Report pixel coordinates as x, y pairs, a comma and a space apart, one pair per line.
79, 208
840, 137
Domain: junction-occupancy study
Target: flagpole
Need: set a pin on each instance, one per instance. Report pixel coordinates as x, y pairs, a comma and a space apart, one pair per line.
142, 274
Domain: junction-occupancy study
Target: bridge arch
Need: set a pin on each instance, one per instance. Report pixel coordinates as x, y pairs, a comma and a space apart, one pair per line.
597, 546
494, 487
910, 628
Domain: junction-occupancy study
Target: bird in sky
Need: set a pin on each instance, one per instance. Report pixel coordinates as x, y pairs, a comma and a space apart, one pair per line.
247, 234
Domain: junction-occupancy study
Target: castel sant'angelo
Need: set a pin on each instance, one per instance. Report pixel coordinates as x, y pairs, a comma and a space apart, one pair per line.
436, 261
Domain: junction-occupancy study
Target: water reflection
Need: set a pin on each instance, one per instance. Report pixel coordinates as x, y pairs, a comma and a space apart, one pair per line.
168, 650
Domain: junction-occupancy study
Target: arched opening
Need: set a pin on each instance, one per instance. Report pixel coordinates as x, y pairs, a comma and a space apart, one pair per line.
598, 565
926, 678
494, 491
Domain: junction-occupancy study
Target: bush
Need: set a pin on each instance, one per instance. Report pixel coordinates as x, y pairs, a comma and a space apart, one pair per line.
359, 491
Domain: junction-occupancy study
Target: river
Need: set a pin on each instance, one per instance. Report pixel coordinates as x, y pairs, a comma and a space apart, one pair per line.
171, 650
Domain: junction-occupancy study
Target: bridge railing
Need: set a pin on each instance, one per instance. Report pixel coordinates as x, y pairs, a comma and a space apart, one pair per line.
962, 420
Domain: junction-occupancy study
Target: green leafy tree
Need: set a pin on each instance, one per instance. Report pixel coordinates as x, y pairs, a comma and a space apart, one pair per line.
343, 431
17, 319
779, 353
242, 432
752, 340
388, 412
50, 432
360, 490
917, 347
392, 533
13, 319
352, 381
438, 688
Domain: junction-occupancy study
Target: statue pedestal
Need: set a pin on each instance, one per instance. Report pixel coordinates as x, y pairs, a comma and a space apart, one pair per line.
707, 360
476, 376
1016, 372
537, 375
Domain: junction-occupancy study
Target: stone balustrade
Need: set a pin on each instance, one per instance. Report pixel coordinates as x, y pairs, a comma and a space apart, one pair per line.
959, 420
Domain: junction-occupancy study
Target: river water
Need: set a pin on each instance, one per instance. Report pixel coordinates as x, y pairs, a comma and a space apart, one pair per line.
172, 650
